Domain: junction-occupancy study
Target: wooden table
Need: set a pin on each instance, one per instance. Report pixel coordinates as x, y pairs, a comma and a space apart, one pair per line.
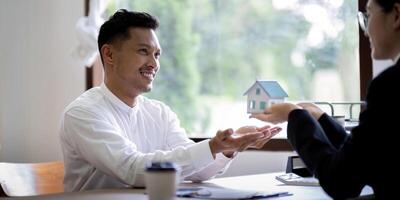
259, 182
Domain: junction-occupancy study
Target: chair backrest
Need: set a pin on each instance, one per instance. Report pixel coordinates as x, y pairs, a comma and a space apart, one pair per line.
28, 179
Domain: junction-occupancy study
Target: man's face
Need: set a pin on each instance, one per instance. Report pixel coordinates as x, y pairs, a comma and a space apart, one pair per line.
136, 60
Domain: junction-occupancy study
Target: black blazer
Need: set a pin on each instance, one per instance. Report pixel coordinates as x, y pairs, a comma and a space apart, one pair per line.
345, 163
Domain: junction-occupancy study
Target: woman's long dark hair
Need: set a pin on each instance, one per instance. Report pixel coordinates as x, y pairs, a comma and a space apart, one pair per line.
387, 5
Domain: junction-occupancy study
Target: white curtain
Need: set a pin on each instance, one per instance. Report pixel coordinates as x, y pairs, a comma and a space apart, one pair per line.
87, 29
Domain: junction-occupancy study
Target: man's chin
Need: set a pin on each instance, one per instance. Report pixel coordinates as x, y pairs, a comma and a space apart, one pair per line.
378, 55
147, 89
143, 88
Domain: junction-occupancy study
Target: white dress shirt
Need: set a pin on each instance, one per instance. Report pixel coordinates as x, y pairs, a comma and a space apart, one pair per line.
107, 144
397, 58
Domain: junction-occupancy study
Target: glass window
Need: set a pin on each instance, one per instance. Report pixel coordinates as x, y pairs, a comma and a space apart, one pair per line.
258, 91
212, 55
253, 105
262, 105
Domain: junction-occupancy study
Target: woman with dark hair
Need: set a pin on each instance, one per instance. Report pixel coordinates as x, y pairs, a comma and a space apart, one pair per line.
345, 163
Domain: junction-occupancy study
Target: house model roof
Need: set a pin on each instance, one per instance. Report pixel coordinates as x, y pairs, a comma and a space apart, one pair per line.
272, 88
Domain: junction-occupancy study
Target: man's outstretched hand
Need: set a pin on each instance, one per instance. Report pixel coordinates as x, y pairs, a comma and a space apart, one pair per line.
229, 142
268, 132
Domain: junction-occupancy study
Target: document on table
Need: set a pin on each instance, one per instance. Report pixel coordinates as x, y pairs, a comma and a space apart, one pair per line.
225, 193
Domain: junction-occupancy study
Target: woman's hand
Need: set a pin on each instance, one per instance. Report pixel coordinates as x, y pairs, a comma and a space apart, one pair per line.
276, 113
313, 109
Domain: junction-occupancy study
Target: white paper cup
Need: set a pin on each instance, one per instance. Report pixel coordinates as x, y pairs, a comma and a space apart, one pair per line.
161, 180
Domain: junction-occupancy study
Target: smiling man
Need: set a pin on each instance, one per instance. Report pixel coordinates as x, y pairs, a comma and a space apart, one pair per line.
111, 132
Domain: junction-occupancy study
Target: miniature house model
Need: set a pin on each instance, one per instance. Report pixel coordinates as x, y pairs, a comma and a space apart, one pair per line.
262, 94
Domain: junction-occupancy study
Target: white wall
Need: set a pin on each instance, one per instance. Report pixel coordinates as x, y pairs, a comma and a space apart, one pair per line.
38, 77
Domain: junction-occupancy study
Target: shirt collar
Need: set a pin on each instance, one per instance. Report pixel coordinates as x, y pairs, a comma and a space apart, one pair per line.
118, 102
397, 58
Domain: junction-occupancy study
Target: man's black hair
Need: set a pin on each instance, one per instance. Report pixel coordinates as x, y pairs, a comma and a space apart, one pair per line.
117, 26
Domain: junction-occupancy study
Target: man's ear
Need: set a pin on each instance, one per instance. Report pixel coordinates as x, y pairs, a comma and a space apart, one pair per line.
107, 53
396, 10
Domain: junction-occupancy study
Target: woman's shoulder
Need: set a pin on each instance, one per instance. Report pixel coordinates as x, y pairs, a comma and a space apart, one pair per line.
388, 78
384, 86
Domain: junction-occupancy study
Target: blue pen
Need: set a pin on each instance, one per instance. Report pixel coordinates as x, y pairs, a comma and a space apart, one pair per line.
278, 194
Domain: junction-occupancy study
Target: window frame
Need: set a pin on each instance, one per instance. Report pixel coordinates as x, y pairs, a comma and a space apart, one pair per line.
365, 57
